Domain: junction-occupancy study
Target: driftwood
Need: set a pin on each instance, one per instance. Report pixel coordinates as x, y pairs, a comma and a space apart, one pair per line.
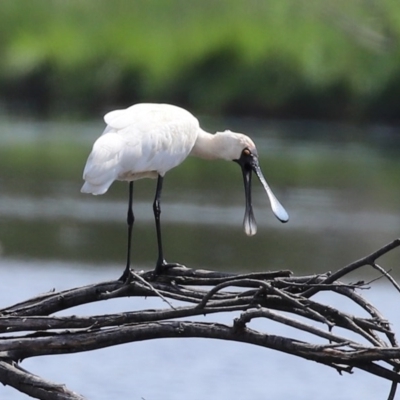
256, 295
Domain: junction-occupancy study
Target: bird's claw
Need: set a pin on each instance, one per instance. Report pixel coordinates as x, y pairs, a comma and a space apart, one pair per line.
164, 266
127, 276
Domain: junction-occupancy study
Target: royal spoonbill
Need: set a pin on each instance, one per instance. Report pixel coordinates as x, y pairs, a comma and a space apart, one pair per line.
147, 140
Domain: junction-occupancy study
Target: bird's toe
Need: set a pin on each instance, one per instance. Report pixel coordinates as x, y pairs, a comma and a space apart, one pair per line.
127, 276
163, 267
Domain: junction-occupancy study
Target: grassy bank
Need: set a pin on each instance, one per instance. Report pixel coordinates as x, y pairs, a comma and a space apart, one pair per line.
286, 58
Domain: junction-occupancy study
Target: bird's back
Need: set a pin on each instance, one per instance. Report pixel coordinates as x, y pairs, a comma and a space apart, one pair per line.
141, 141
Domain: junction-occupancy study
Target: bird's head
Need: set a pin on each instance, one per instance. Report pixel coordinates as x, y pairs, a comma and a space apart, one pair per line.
241, 149
231, 145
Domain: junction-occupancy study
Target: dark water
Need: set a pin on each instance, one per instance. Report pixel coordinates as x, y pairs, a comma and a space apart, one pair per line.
339, 184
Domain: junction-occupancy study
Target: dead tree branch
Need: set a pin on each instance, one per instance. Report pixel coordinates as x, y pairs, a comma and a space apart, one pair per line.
30, 328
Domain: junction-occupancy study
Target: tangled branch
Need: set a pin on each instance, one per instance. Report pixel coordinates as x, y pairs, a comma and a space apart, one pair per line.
277, 296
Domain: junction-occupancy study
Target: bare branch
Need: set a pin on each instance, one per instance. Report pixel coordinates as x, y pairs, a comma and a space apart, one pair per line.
13, 375
28, 329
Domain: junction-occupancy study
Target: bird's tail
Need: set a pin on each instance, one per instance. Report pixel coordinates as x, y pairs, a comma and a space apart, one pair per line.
102, 165
94, 189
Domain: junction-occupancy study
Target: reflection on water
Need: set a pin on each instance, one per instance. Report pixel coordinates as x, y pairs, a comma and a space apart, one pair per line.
336, 182
320, 237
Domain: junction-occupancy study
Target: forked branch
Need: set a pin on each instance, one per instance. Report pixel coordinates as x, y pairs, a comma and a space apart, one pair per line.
277, 296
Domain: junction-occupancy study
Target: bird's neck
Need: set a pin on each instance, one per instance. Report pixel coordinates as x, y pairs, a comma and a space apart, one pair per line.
207, 146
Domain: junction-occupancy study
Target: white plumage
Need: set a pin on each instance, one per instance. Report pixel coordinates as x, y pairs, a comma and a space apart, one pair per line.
143, 141
147, 140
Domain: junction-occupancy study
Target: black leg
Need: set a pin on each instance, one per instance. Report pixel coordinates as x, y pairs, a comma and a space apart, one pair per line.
130, 220
157, 212
161, 263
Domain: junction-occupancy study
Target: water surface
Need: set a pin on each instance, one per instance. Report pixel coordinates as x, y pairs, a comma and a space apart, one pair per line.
184, 368
338, 183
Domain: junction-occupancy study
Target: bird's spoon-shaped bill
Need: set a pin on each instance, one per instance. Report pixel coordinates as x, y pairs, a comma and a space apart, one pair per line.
249, 222
277, 207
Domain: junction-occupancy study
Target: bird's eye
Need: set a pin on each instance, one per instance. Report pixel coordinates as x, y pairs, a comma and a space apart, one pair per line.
246, 152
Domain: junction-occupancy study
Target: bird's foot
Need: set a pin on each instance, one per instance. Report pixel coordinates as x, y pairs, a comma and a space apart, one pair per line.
163, 266
127, 276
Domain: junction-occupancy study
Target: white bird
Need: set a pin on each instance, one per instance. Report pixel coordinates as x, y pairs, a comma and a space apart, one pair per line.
147, 140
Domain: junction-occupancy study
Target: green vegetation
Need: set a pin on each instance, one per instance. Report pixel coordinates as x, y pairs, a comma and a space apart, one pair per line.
282, 58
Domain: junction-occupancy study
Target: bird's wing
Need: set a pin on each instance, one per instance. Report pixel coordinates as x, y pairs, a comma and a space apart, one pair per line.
157, 137
147, 115
102, 165
119, 119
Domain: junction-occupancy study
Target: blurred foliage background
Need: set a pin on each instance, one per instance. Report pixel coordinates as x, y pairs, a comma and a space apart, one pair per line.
319, 59
316, 83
